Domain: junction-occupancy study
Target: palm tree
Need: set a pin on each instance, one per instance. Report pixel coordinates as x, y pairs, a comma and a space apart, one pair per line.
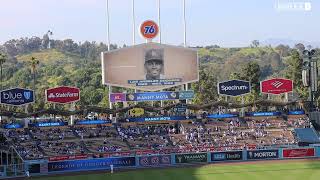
34, 64
2, 61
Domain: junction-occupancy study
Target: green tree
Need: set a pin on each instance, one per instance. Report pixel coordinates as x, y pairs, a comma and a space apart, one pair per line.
294, 72
34, 64
300, 47
255, 43
251, 72
206, 88
2, 61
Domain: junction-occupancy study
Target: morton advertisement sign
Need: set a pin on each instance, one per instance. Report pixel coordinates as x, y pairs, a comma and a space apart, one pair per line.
149, 66
276, 86
17, 96
63, 94
263, 154
234, 87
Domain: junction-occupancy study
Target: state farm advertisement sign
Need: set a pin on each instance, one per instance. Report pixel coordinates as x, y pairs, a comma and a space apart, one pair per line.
297, 153
63, 94
276, 86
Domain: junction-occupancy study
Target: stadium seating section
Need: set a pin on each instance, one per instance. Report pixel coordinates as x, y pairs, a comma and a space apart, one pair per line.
158, 137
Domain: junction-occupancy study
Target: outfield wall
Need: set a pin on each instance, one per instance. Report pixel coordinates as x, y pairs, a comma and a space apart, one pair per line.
46, 167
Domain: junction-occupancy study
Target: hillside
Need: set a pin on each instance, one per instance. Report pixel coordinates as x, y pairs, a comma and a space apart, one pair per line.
72, 64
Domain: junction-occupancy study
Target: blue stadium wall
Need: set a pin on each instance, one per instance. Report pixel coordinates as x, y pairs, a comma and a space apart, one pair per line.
44, 167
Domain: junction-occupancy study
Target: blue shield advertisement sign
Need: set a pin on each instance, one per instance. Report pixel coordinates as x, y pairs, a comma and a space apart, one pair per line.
16, 96
234, 87
226, 156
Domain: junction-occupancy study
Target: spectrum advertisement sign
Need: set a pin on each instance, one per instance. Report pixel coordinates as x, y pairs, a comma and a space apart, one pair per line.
191, 158
16, 96
155, 160
163, 118
63, 94
149, 66
263, 154
91, 164
226, 156
276, 86
298, 153
234, 87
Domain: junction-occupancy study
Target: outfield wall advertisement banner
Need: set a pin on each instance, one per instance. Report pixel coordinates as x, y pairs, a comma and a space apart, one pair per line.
91, 164
263, 154
276, 86
163, 118
191, 158
298, 153
155, 160
16, 96
149, 66
226, 156
234, 87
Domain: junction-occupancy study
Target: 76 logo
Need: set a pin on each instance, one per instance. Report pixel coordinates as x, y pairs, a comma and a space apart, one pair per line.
149, 29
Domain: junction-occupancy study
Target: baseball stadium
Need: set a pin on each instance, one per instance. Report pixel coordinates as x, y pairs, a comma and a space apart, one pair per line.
154, 110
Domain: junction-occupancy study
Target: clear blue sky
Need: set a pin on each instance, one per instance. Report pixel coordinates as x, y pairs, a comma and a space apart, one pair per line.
222, 22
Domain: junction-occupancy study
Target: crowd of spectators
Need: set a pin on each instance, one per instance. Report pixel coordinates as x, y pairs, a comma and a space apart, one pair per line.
196, 135
147, 137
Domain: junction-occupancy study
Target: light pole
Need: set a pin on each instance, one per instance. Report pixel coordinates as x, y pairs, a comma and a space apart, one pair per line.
310, 75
